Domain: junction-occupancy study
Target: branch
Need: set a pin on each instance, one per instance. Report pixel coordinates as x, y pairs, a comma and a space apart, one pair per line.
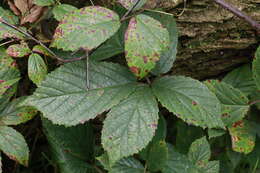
40, 43
239, 13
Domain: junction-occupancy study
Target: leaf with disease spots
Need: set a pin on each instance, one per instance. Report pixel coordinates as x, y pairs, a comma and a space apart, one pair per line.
6, 31
86, 28
9, 74
61, 10
13, 145
190, 100
234, 103
256, 68
13, 114
18, 50
44, 2
130, 125
242, 136
63, 96
145, 40
37, 69
129, 4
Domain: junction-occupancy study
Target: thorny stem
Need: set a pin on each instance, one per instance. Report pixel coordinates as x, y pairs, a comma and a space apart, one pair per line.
40, 43
130, 10
238, 13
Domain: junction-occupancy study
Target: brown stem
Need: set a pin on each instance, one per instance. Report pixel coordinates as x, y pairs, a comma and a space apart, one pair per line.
239, 13
254, 102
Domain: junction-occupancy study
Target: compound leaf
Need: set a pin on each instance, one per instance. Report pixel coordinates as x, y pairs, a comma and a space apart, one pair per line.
13, 145
190, 100
63, 96
86, 28
256, 68
141, 55
130, 125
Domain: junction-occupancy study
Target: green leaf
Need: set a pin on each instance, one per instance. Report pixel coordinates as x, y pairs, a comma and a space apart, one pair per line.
178, 163
158, 155
72, 148
255, 97
86, 28
141, 55
44, 2
37, 69
13, 145
40, 50
199, 152
212, 133
64, 98
13, 114
18, 50
113, 46
242, 136
242, 79
256, 68
9, 75
104, 160
234, 102
127, 165
167, 58
212, 167
190, 100
130, 125
61, 10
128, 4
6, 31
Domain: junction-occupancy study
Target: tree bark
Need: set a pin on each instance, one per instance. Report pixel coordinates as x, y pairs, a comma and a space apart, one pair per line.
212, 40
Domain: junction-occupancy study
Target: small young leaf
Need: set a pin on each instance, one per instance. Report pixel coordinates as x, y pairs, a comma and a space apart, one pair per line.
242, 136
61, 10
37, 69
72, 148
13, 114
18, 50
168, 57
242, 79
13, 145
6, 31
141, 55
43, 2
86, 28
256, 68
127, 165
63, 96
234, 102
128, 4
157, 157
130, 125
190, 100
199, 152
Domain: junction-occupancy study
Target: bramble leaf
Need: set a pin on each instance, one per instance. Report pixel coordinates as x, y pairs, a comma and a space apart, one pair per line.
128, 4
145, 40
72, 148
18, 50
127, 165
61, 10
190, 100
86, 28
37, 69
130, 125
6, 31
234, 102
63, 96
242, 136
256, 68
13, 145
44, 2
242, 79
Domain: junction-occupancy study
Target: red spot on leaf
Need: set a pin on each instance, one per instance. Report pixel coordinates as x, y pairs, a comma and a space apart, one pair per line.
135, 70
238, 123
194, 103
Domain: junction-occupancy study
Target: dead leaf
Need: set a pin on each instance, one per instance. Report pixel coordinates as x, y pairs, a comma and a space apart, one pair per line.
15, 10
34, 14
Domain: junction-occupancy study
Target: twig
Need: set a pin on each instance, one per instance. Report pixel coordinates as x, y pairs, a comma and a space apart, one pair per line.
130, 10
239, 13
7, 42
92, 3
254, 102
40, 43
